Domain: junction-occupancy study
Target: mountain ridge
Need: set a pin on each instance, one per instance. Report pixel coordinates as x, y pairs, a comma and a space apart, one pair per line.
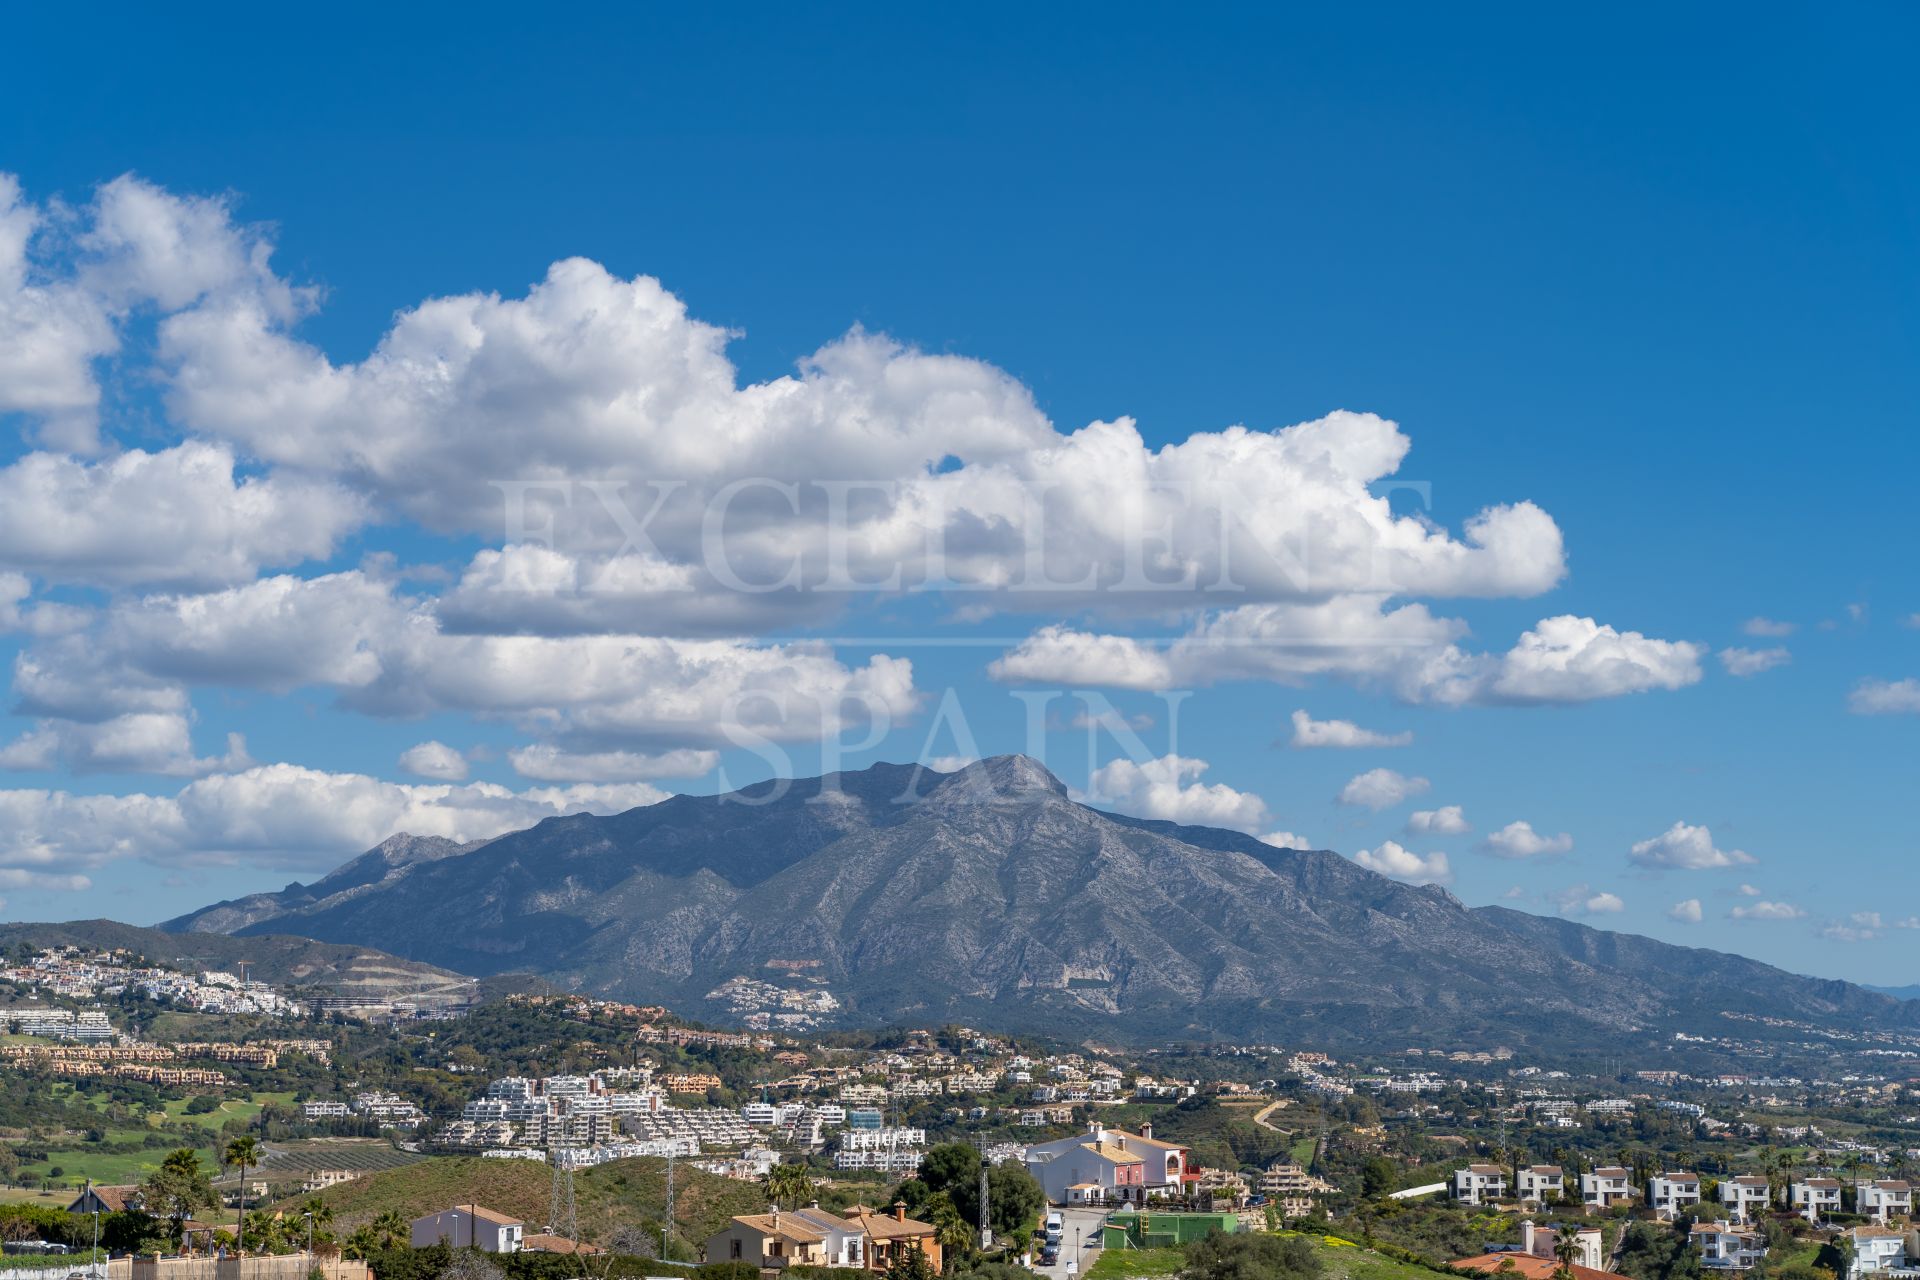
990, 894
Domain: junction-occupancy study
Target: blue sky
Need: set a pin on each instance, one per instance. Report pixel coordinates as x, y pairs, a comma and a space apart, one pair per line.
1655, 276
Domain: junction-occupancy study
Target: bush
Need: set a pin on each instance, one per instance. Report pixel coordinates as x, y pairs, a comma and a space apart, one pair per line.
1251, 1257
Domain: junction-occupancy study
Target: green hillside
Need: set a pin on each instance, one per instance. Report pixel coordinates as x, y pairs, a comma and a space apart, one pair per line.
622, 1192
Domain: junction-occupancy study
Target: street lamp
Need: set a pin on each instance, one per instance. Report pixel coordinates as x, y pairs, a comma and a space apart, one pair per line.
308, 1215
93, 1259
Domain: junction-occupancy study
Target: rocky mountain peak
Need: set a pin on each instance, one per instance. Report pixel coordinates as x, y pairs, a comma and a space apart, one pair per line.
999, 780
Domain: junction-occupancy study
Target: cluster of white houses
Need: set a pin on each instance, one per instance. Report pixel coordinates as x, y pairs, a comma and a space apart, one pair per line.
1673, 1193
1727, 1240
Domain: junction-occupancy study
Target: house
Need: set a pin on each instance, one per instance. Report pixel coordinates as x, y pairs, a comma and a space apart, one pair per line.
767, 1240
1814, 1198
1886, 1198
845, 1244
886, 1234
1726, 1247
468, 1226
1746, 1195
115, 1199
1875, 1249
1479, 1183
1127, 1167
1606, 1186
1537, 1184
1544, 1242
1672, 1193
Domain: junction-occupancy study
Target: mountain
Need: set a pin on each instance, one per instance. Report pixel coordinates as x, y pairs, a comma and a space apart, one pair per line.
1909, 992
302, 965
377, 866
990, 895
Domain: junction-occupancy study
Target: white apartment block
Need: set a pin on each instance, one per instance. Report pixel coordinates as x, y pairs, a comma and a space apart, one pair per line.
1606, 1186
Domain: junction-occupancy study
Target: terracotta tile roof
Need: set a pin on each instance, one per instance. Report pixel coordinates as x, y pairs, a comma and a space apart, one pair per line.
785, 1225
1527, 1265
1119, 1155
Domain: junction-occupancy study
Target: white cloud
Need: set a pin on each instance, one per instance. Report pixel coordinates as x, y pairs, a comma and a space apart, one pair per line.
1686, 848
1308, 732
1520, 840
1765, 910
1286, 840
1751, 662
280, 815
178, 516
1584, 900
1399, 863
548, 763
949, 764
1748, 891
434, 760
1861, 926
387, 655
138, 742
1767, 628
1448, 820
1381, 789
1168, 788
1687, 911
1885, 697
1406, 650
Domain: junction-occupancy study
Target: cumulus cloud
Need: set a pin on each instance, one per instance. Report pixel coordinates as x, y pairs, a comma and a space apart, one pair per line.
1406, 650
138, 742
1686, 911
1308, 732
1169, 788
1686, 848
1286, 840
386, 654
548, 763
1448, 820
1766, 910
1768, 628
1399, 863
1751, 662
177, 516
434, 760
1381, 789
280, 815
1584, 900
1861, 926
1520, 840
1874, 697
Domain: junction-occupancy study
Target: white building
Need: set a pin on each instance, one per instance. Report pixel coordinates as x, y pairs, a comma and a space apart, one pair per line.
1607, 1186
1540, 1183
1746, 1195
1814, 1198
1479, 1183
1886, 1198
1672, 1193
468, 1226
1726, 1247
1875, 1249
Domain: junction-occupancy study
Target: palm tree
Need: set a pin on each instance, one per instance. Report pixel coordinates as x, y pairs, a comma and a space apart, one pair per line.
391, 1227
243, 1151
1565, 1249
789, 1184
363, 1241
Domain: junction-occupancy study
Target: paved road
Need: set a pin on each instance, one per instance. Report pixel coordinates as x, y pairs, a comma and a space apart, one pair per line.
1088, 1221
